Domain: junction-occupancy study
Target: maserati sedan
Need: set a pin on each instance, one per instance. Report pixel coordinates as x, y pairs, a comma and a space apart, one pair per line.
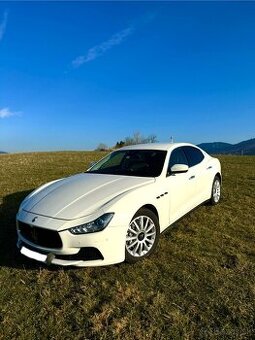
116, 210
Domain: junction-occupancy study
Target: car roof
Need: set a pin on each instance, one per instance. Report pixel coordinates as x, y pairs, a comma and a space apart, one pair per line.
155, 146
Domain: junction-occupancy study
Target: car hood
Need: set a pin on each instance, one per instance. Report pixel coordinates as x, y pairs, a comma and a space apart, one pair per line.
80, 195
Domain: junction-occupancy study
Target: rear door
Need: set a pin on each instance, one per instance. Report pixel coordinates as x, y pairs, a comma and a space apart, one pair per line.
198, 174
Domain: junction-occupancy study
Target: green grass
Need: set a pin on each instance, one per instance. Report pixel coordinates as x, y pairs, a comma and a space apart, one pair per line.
199, 284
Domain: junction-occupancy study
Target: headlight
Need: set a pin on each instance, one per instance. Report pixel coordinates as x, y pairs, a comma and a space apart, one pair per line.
97, 225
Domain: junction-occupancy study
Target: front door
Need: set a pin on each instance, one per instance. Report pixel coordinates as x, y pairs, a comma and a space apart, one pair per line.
181, 187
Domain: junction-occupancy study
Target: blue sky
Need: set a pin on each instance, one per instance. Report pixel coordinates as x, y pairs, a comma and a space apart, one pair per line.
74, 74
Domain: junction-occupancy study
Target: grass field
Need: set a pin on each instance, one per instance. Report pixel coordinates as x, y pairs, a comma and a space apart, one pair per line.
199, 284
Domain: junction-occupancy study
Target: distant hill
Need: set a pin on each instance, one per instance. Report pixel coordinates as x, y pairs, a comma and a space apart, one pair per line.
3, 152
244, 148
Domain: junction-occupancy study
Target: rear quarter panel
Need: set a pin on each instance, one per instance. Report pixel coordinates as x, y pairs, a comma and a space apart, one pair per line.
213, 167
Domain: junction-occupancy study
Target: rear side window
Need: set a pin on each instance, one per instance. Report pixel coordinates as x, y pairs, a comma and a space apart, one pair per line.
194, 155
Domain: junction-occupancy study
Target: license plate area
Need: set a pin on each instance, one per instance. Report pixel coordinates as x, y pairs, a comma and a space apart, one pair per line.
33, 254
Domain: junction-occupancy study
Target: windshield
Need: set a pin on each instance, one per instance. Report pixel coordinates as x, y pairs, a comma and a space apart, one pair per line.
142, 163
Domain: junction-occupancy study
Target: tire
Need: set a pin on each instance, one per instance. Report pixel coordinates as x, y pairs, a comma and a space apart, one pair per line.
142, 236
216, 191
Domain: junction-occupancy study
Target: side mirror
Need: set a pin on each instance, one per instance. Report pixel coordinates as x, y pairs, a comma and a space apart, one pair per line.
179, 168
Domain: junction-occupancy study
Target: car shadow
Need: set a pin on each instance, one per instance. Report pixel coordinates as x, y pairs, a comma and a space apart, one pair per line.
9, 254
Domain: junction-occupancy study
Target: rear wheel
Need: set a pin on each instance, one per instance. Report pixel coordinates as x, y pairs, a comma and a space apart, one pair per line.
142, 235
216, 191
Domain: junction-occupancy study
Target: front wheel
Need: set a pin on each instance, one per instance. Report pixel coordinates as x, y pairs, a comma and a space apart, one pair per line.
216, 191
142, 235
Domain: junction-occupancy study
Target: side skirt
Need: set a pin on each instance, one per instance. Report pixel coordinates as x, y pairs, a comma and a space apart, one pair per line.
189, 212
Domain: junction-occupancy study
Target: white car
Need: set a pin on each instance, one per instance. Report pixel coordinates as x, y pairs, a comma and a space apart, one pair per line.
116, 210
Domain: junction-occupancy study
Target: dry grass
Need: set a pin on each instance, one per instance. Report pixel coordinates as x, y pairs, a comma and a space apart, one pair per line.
200, 283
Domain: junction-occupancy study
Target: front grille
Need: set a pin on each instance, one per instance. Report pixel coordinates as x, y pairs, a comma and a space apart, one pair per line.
39, 236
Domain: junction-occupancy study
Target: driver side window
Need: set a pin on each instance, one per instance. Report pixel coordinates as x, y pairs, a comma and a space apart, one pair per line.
177, 157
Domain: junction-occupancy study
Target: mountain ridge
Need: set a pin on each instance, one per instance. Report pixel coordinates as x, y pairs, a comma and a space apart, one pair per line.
246, 147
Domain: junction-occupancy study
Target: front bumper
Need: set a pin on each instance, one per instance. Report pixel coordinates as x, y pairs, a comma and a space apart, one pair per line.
95, 249
51, 258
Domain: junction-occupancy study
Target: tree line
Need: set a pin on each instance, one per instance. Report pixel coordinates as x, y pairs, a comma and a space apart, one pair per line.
136, 138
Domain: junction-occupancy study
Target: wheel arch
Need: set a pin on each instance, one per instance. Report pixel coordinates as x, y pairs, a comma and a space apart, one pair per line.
151, 208
220, 177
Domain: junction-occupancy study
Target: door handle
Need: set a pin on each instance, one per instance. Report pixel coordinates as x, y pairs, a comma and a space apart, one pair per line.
192, 177
209, 167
